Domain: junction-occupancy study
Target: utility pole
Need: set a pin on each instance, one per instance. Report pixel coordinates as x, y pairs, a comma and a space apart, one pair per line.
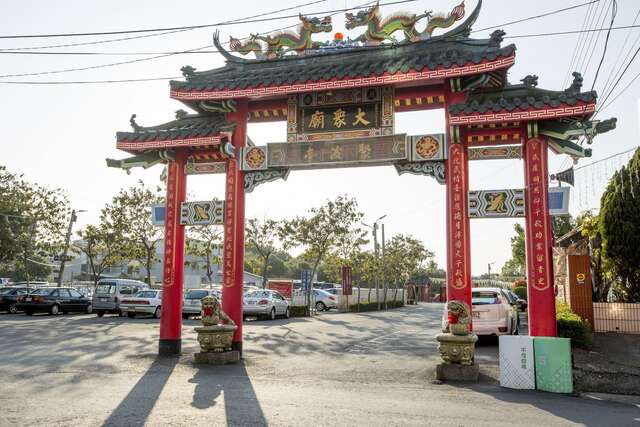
73, 219
384, 270
374, 230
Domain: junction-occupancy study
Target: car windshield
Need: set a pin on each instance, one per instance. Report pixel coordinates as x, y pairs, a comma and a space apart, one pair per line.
484, 298
106, 288
146, 294
43, 291
197, 294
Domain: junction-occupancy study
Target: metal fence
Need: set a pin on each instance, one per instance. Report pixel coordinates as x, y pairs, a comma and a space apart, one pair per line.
616, 317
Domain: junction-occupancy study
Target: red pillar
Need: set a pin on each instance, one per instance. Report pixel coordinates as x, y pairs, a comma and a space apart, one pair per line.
170, 343
233, 256
539, 241
458, 229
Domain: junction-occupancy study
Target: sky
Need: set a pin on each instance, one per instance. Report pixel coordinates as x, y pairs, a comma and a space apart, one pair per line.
60, 135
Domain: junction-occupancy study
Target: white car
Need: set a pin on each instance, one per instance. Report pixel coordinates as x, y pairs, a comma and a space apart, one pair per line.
493, 313
324, 301
265, 303
144, 302
192, 305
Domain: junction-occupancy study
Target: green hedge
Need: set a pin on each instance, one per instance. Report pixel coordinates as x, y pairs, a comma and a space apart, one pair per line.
373, 306
570, 325
521, 291
298, 311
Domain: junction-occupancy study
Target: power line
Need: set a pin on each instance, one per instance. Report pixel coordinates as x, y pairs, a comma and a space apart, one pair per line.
157, 34
186, 27
553, 12
589, 46
614, 12
563, 33
574, 55
193, 27
607, 158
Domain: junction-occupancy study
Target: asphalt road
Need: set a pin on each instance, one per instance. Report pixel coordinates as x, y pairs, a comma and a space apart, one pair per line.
372, 369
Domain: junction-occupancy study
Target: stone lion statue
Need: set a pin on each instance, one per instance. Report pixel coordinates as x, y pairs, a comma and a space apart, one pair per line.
459, 311
212, 313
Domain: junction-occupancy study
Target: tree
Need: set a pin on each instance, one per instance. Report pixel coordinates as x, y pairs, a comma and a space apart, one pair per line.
562, 224
322, 231
603, 274
130, 211
619, 226
261, 237
516, 265
345, 254
202, 242
33, 220
406, 257
102, 247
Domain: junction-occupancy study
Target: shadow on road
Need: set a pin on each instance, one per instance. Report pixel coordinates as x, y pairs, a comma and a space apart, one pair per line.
233, 384
138, 403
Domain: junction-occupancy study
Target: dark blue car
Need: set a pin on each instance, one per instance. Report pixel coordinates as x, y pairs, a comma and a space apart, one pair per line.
54, 301
9, 298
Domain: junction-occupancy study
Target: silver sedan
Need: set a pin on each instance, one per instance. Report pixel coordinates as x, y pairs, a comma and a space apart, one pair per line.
265, 304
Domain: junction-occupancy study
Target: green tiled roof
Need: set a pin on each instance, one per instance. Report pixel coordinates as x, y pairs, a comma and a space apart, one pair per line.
519, 98
240, 73
183, 127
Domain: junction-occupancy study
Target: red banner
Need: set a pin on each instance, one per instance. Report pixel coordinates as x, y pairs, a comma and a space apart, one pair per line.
284, 287
347, 289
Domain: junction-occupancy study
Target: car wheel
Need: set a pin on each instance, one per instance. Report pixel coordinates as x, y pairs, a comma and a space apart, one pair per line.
131, 315
99, 313
185, 316
55, 309
320, 306
287, 313
13, 309
156, 314
272, 315
89, 309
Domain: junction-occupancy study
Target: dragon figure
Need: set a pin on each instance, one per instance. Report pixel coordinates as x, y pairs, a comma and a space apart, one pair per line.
277, 44
379, 30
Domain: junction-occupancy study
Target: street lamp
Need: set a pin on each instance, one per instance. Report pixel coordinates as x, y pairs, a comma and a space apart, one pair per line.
374, 231
489, 269
73, 219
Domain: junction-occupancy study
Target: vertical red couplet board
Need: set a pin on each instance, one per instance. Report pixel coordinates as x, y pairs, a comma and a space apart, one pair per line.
233, 255
173, 267
539, 241
458, 245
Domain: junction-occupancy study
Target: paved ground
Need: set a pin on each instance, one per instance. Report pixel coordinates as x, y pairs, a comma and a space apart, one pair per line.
371, 369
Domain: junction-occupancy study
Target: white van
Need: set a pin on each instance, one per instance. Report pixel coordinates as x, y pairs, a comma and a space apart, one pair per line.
109, 294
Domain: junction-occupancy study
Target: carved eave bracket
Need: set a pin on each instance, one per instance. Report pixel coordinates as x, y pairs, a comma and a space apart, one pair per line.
433, 169
254, 178
145, 160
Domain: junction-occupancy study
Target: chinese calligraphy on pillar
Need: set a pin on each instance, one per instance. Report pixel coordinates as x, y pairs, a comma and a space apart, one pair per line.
170, 224
539, 240
230, 189
458, 222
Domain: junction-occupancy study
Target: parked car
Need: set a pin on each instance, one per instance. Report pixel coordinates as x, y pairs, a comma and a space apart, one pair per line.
324, 301
192, 305
54, 301
110, 292
493, 313
265, 304
9, 298
144, 302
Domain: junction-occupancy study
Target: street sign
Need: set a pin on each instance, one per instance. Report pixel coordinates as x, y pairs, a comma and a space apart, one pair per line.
346, 281
209, 212
157, 215
559, 200
306, 279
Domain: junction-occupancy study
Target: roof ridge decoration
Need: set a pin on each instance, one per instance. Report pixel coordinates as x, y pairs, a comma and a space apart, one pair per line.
282, 44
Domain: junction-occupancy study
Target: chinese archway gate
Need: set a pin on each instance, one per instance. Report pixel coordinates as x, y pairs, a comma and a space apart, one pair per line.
339, 100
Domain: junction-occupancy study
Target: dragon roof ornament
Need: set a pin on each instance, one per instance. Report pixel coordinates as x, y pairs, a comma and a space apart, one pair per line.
378, 31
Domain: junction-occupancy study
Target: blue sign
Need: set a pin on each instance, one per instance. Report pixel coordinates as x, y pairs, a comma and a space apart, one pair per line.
157, 214
558, 200
306, 279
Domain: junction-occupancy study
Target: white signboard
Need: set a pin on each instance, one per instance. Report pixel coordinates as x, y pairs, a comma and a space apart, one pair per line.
517, 365
558, 200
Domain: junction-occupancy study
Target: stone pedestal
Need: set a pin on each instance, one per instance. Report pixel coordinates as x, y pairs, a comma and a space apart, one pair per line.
457, 352
456, 372
220, 358
216, 345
